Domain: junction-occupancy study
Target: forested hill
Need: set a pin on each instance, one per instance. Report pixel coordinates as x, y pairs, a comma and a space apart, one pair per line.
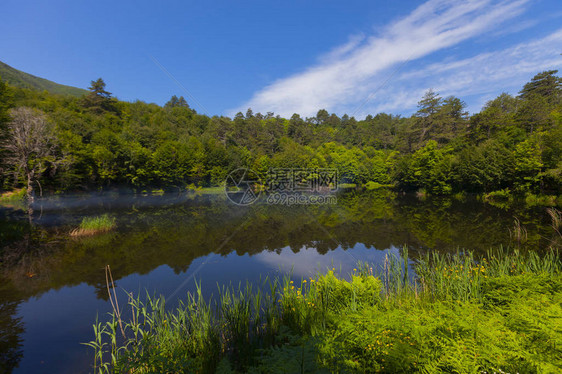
513, 145
20, 79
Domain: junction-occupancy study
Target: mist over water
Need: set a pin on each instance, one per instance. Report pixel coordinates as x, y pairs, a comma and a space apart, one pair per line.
52, 286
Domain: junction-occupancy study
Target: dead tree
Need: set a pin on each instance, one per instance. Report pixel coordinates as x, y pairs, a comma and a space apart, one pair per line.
29, 145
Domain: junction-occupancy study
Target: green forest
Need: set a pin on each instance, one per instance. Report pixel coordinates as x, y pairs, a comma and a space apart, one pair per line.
59, 143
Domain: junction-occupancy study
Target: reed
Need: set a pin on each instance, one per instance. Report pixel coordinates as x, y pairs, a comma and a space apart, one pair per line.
319, 319
94, 225
556, 218
519, 232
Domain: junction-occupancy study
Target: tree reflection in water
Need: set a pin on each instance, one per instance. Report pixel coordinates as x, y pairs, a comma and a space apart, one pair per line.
177, 229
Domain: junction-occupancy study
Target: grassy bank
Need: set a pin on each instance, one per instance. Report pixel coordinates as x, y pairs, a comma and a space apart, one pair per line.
501, 313
14, 199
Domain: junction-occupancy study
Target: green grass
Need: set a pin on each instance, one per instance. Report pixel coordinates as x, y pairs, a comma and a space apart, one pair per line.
14, 199
375, 186
94, 225
347, 185
15, 196
458, 314
217, 190
24, 80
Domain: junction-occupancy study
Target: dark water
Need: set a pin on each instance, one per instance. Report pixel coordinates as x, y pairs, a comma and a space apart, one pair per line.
52, 287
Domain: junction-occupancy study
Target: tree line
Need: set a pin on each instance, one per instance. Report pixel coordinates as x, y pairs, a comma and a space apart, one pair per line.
61, 143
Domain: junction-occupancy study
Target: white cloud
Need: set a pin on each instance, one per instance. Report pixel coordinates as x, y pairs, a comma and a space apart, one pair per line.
344, 78
485, 75
308, 262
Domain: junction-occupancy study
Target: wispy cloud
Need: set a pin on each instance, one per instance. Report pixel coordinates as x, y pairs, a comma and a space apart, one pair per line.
343, 78
484, 75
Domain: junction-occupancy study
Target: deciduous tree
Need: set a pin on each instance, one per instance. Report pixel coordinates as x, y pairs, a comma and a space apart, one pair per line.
29, 145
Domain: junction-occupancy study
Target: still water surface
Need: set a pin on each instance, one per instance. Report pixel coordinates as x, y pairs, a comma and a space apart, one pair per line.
52, 286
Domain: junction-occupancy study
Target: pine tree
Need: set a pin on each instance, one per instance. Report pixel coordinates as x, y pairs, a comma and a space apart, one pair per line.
98, 100
429, 104
545, 84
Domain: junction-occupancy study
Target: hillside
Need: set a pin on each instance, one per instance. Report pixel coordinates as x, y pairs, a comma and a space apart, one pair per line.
511, 149
24, 80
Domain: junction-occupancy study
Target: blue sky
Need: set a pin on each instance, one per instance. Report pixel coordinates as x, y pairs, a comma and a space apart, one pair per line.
355, 57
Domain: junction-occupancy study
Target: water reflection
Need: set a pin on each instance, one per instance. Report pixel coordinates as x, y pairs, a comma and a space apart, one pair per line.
163, 243
11, 329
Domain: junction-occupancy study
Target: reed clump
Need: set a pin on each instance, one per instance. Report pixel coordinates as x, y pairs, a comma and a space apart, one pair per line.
556, 219
441, 313
94, 225
519, 233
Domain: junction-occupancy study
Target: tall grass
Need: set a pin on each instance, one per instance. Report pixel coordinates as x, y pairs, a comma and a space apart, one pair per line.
13, 196
519, 232
556, 219
353, 324
15, 199
461, 276
193, 337
94, 225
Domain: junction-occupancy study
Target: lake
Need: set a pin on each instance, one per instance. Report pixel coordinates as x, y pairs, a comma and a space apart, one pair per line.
52, 286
